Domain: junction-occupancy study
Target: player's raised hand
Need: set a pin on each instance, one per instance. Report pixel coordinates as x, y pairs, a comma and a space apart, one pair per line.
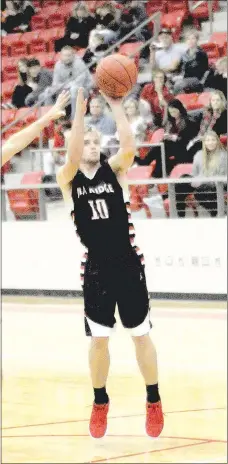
57, 111
81, 103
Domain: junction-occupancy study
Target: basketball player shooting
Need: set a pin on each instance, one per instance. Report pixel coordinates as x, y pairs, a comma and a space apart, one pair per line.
113, 267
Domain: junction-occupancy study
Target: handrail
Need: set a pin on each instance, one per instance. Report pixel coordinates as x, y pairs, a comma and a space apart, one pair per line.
151, 180
107, 52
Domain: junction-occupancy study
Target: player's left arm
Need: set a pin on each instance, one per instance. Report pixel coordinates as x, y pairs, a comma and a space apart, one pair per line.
123, 160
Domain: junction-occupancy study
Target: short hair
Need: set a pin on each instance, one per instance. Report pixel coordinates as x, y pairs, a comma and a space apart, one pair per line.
192, 32
33, 62
99, 99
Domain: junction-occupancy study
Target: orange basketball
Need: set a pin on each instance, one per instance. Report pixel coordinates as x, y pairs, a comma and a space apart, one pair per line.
116, 75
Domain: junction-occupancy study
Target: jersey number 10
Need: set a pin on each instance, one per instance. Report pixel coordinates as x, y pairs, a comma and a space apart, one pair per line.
99, 209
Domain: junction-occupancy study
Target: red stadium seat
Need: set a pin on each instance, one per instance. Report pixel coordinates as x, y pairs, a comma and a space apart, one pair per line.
224, 50
174, 5
26, 202
139, 192
5, 50
48, 10
219, 38
11, 38
48, 132
38, 22
28, 37
51, 35
8, 116
37, 46
202, 11
188, 100
174, 21
7, 90
26, 118
19, 48
153, 7
66, 9
9, 68
223, 139
55, 20
131, 49
203, 99
49, 3
157, 136
212, 51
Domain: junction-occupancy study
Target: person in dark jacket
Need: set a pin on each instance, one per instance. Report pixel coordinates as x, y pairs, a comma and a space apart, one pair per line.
78, 28
216, 77
39, 79
180, 129
22, 89
193, 65
18, 16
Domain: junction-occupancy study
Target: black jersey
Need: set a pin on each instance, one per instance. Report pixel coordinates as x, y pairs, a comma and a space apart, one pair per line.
101, 214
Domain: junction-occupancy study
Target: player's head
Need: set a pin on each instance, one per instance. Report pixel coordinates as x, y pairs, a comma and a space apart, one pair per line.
80, 10
67, 55
92, 146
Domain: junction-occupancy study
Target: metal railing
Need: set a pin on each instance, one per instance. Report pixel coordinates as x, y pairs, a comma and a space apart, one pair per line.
210, 197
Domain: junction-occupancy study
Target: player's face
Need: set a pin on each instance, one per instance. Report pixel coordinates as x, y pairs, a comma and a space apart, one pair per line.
216, 101
91, 154
210, 143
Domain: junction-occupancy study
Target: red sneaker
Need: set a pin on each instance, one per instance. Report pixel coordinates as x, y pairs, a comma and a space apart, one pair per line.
98, 420
154, 419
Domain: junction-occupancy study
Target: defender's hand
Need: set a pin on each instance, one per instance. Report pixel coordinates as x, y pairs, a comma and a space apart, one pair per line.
57, 111
81, 103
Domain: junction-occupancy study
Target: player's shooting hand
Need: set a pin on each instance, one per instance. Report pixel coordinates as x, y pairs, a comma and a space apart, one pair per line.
57, 111
111, 101
81, 103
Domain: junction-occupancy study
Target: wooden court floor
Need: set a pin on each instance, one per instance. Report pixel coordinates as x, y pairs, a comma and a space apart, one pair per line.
47, 397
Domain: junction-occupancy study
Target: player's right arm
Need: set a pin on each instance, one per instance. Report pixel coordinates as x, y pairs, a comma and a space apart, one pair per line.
75, 145
23, 138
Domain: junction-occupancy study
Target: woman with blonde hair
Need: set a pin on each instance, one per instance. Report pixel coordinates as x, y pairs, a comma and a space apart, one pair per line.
78, 28
216, 77
215, 115
211, 161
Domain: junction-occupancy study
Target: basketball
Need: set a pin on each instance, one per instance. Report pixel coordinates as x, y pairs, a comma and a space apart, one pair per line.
116, 75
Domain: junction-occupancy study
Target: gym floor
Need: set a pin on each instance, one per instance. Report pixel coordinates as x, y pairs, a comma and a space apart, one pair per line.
47, 395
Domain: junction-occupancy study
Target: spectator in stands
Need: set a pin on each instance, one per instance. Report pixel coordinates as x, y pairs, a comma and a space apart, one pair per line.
22, 89
38, 79
132, 111
78, 28
157, 96
211, 161
193, 65
98, 119
179, 130
133, 14
95, 50
216, 78
18, 16
213, 118
70, 72
166, 55
107, 22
